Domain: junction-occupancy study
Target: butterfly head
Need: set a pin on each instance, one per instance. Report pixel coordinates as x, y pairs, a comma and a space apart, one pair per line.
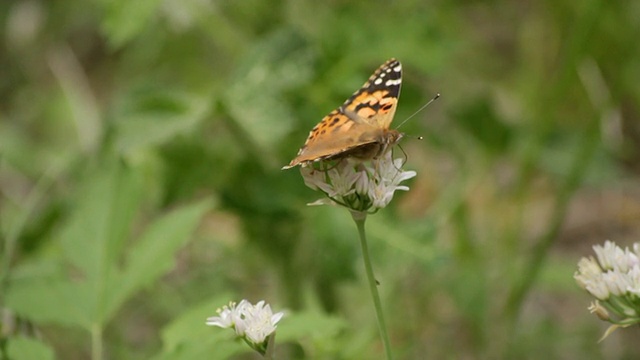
388, 139
392, 137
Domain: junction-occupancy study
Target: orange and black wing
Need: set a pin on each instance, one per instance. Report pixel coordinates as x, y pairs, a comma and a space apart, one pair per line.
359, 121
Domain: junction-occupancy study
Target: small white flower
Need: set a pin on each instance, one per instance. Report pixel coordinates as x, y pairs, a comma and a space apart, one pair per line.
634, 280
254, 323
260, 322
609, 255
323, 201
228, 316
598, 289
614, 279
588, 271
616, 282
362, 183
388, 180
315, 179
343, 178
632, 259
359, 187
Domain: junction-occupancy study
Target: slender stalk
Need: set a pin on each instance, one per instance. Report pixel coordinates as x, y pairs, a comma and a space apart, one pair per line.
96, 342
359, 218
271, 340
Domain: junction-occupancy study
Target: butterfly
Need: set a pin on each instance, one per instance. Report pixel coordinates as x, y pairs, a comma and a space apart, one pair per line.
360, 127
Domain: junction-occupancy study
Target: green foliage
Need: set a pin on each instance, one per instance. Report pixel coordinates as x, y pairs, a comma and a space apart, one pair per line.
148, 117
182, 340
101, 276
140, 185
28, 349
124, 20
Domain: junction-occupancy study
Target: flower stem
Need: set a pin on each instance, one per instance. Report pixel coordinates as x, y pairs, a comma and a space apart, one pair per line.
96, 342
271, 339
359, 218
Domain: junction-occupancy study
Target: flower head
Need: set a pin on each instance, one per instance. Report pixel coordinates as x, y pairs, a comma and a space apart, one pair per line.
253, 323
357, 186
613, 277
229, 315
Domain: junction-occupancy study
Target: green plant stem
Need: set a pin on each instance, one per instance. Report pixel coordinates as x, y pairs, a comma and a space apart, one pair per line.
359, 218
271, 340
96, 342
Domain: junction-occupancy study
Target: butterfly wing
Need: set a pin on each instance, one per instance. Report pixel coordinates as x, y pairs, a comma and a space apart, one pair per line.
361, 120
335, 134
375, 102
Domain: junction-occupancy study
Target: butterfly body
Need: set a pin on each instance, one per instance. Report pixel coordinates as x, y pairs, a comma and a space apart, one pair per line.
360, 127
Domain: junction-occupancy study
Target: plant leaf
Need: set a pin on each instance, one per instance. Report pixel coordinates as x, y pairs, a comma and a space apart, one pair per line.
308, 324
151, 116
188, 337
26, 349
152, 255
124, 19
50, 300
94, 236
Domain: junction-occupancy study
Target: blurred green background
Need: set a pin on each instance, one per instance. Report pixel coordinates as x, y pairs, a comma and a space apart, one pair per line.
140, 184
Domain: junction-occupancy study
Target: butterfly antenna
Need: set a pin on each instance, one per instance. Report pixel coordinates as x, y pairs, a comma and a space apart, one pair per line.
416, 113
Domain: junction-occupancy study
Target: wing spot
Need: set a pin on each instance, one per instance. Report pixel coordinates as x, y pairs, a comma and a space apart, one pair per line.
378, 81
397, 68
391, 82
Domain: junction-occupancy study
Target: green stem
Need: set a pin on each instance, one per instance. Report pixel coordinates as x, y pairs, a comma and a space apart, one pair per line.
271, 340
96, 342
359, 218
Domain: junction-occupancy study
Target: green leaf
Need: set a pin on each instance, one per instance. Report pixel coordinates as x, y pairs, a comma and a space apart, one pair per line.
152, 116
281, 62
50, 300
26, 349
125, 19
216, 345
95, 234
153, 254
192, 322
188, 337
93, 240
315, 325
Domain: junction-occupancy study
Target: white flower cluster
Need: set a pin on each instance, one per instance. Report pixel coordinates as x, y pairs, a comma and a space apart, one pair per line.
254, 323
613, 277
357, 186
